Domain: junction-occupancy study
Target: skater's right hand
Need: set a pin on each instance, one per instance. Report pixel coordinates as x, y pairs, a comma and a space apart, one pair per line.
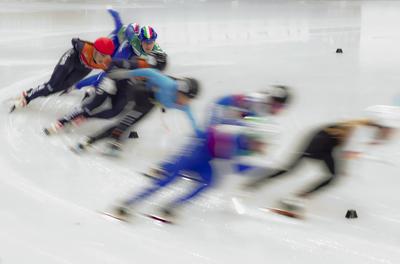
114, 13
68, 90
351, 155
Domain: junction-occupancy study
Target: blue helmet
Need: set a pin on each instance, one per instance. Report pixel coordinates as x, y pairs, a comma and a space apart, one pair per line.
147, 34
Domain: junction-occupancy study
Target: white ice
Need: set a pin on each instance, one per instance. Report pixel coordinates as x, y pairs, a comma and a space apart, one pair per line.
50, 197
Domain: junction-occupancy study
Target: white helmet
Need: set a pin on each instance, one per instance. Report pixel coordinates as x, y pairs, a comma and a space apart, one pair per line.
257, 102
384, 115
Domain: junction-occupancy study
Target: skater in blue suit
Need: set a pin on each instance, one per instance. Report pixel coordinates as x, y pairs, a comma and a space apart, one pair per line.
232, 109
226, 142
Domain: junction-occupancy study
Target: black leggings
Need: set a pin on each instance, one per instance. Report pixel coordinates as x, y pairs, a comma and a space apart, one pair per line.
144, 103
93, 107
320, 147
67, 72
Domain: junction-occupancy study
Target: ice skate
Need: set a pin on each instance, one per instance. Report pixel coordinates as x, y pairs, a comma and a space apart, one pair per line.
112, 149
290, 207
54, 128
292, 204
154, 174
82, 146
240, 200
166, 216
20, 102
121, 213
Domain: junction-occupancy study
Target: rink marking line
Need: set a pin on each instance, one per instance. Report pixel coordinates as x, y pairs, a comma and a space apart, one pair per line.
26, 62
23, 184
47, 6
49, 34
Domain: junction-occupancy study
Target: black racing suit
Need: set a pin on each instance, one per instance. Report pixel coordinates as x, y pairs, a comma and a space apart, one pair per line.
320, 147
69, 70
144, 103
123, 91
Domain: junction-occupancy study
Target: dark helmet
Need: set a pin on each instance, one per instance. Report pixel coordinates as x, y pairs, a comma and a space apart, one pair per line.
189, 87
147, 34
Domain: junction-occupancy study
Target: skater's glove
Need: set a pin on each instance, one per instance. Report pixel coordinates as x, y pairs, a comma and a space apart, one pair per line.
115, 15
108, 86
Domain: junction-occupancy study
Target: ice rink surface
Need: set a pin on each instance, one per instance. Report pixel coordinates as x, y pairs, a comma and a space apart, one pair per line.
50, 197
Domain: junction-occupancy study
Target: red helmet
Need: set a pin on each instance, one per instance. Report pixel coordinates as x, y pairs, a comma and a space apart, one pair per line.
104, 45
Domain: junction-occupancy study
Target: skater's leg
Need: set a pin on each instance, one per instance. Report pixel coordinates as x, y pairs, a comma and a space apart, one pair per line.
312, 149
205, 181
68, 71
86, 110
75, 76
104, 133
330, 164
89, 140
118, 103
143, 105
195, 157
170, 174
275, 173
296, 204
90, 110
325, 153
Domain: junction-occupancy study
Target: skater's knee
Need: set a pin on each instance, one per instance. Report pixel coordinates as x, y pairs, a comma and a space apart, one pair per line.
332, 178
327, 181
207, 182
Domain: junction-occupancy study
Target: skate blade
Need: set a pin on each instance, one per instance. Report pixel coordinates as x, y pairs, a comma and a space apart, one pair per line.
158, 218
110, 153
47, 131
12, 109
78, 149
114, 217
283, 212
50, 131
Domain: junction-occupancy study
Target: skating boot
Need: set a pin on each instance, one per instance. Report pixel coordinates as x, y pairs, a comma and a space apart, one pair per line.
294, 206
113, 149
21, 102
54, 128
82, 146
